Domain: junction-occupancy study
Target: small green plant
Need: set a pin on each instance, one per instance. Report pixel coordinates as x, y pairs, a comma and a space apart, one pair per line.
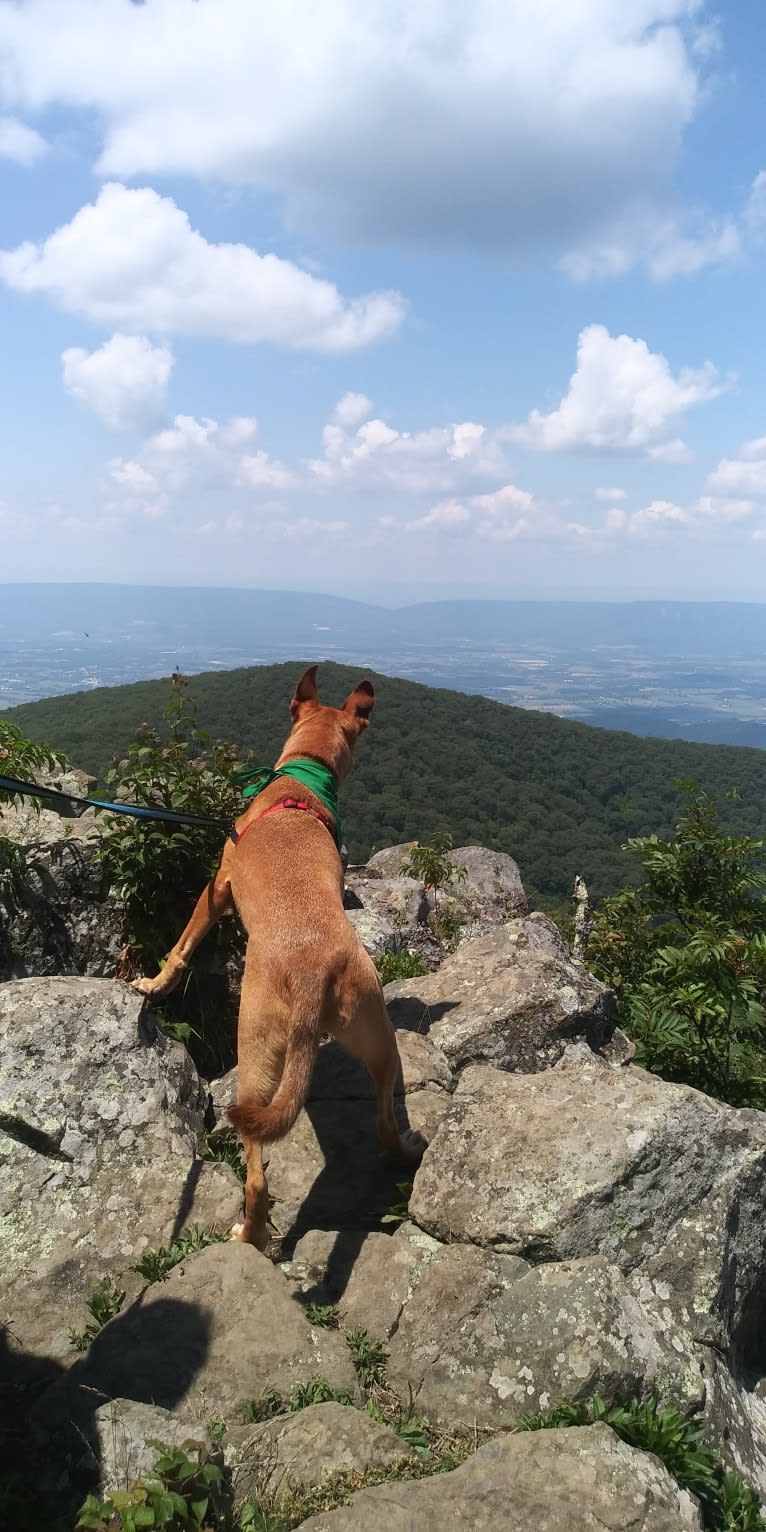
271, 1403
432, 863
727, 1504
399, 1210
155, 1265
399, 965
325, 1315
369, 1357
223, 1147
446, 926
183, 1493
318, 1390
267, 1406
105, 1302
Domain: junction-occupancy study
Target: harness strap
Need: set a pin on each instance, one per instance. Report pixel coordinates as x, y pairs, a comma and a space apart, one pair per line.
286, 803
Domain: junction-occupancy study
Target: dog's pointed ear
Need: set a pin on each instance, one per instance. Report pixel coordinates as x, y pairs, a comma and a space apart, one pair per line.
305, 691
360, 703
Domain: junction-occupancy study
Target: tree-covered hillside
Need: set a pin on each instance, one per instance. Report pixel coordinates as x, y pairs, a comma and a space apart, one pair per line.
560, 797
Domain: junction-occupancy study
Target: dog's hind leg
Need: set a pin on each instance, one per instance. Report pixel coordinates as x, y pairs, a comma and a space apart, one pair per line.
371, 1038
212, 905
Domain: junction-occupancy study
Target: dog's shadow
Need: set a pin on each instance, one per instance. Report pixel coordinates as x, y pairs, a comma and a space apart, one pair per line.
358, 1189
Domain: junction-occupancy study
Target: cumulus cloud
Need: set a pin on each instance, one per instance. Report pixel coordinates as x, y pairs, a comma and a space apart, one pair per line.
743, 475
133, 260
621, 398
447, 516
707, 512
206, 454
377, 455
20, 143
543, 122
124, 381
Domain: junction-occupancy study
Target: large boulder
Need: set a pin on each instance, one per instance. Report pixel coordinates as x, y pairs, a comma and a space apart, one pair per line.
513, 998
217, 1334
578, 1480
56, 912
101, 1131
661, 1180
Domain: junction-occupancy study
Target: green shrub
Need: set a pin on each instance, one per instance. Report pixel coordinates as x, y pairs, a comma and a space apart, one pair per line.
160, 869
686, 953
399, 965
433, 865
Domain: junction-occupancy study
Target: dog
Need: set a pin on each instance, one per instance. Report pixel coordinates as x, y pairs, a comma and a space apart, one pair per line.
306, 972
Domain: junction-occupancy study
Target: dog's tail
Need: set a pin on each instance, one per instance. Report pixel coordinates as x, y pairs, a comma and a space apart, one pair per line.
268, 1123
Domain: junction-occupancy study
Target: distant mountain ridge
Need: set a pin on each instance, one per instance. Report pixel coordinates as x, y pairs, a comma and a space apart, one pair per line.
559, 796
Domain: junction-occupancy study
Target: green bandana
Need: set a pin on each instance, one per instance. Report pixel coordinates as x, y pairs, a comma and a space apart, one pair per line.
316, 777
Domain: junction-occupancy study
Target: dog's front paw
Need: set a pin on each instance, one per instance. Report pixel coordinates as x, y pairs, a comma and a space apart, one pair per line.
152, 989
413, 1145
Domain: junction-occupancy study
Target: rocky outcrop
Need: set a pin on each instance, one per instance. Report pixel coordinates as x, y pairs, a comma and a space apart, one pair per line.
552, 1481
574, 1228
513, 998
101, 1129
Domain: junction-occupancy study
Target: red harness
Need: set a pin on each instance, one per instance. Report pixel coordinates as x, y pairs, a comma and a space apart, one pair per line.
286, 803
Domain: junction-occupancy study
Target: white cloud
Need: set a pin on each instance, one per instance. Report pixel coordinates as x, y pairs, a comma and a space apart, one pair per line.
622, 398
262, 472
124, 381
425, 462
351, 410
611, 495
133, 260
204, 455
542, 122
743, 475
708, 511
447, 516
20, 143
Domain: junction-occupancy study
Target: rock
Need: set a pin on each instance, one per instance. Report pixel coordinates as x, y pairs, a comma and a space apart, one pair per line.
218, 1333
375, 933
101, 1124
396, 903
661, 1180
576, 1480
512, 998
306, 1447
492, 891
122, 1429
27, 825
384, 1277
482, 1338
223, 1094
387, 863
57, 916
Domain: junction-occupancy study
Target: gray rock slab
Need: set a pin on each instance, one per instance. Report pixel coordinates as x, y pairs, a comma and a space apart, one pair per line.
512, 998
100, 1132
306, 1447
123, 1428
577, 1480
660, 1179
221, 1330
482, 1338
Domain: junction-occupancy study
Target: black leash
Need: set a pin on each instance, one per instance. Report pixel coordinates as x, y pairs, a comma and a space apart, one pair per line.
136, 810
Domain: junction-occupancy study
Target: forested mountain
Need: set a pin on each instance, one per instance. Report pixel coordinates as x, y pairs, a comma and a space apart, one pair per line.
560, 797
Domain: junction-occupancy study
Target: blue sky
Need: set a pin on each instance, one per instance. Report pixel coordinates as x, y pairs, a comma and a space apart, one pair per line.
384, 299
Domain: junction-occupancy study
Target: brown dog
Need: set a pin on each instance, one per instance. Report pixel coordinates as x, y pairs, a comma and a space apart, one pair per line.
306, 972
